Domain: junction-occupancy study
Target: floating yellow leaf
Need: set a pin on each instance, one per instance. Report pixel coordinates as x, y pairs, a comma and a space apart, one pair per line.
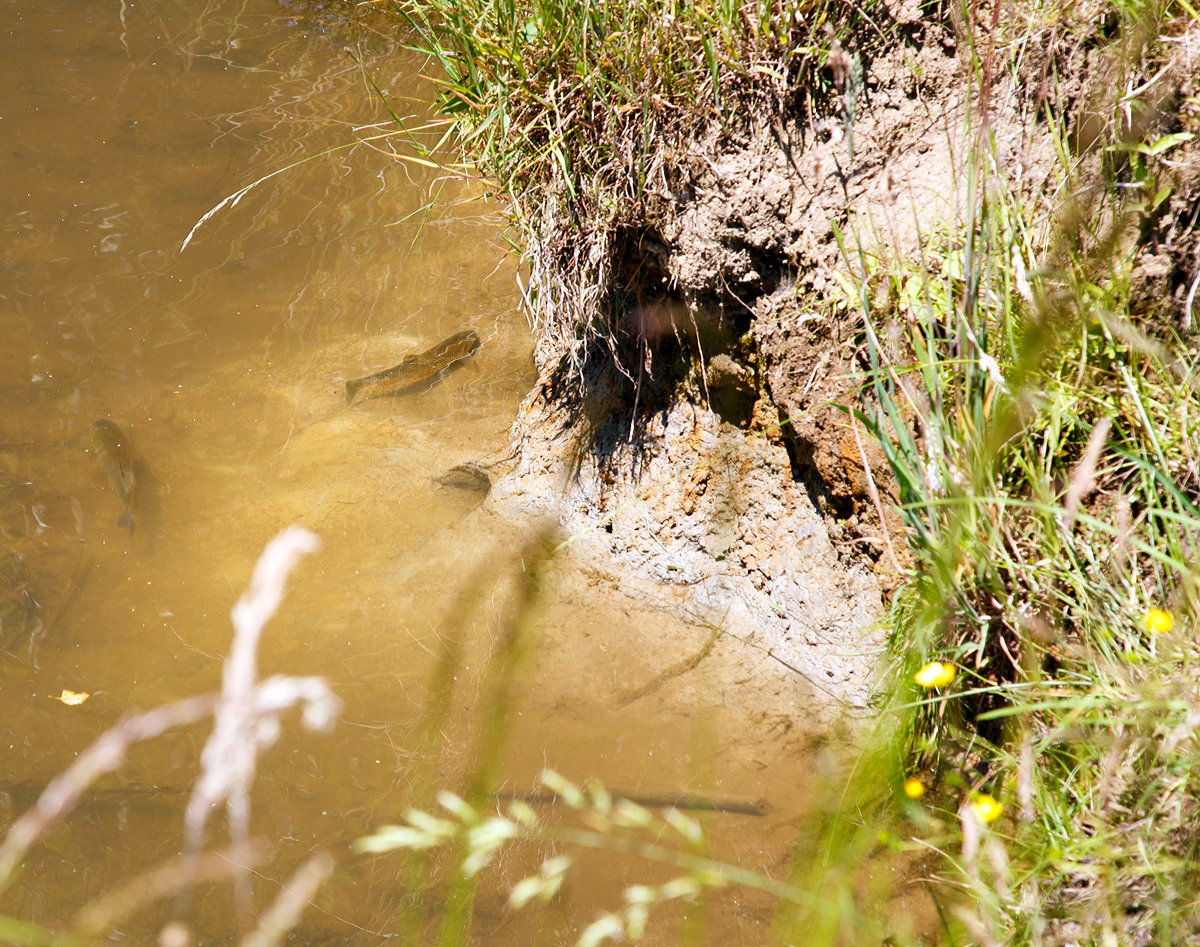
935, 674
914, 788
1159, 620
71, 698
986, 808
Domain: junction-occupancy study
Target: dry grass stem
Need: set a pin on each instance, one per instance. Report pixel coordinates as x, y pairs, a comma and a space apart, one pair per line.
247, 713
284, 914
1083, 477
94, 921
102, 757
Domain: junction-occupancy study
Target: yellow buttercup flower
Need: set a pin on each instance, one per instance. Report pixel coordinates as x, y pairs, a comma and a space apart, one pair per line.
935, 674
914, 788
1159, 620
986, 808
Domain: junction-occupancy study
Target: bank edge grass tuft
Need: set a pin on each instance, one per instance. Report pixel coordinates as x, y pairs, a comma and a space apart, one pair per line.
580, 115
1044, 439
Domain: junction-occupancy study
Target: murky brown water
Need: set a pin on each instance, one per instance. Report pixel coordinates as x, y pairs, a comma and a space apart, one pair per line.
121, 125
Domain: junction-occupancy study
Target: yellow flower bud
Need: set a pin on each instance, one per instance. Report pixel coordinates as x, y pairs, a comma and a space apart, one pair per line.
1159, 620
986, 808
914, 788
935, 674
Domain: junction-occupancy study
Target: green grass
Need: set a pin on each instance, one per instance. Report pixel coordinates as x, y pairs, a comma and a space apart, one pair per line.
1042, 438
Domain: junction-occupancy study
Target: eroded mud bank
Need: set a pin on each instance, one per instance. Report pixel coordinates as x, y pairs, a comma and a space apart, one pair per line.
714, 439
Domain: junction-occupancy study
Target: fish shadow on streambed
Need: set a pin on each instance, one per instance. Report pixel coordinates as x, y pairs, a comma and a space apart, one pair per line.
148, 504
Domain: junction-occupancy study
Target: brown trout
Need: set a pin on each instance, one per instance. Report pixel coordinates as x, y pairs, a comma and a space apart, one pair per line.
112, 450
416, 368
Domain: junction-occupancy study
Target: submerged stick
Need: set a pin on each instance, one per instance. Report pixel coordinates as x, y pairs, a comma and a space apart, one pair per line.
685, 801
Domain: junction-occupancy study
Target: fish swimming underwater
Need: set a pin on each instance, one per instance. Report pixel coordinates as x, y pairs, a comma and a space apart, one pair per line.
112, 450
416, 368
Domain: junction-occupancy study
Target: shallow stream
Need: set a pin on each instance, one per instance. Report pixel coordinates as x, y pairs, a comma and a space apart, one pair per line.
122, 125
